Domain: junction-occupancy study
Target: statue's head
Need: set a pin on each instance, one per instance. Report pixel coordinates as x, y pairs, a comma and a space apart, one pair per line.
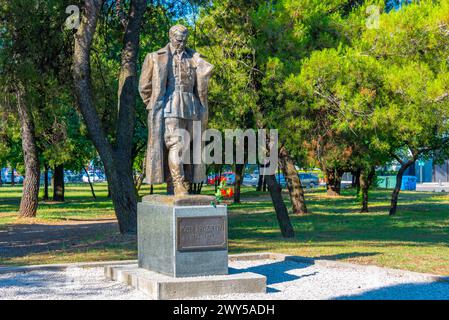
178, 37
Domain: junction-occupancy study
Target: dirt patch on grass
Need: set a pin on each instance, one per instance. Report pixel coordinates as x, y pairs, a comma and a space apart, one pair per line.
22, 239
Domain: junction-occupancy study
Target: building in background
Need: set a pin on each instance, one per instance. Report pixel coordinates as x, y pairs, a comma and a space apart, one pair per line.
428, 171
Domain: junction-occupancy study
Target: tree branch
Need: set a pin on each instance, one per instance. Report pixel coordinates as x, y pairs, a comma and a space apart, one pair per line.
442, 97
128, 79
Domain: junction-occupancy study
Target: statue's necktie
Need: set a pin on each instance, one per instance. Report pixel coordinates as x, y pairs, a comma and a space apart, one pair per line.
179, 66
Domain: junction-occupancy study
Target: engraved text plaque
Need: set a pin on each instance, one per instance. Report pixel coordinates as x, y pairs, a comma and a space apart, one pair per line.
201, 233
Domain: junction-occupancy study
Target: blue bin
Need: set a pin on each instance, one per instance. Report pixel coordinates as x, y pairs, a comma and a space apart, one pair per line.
408, 183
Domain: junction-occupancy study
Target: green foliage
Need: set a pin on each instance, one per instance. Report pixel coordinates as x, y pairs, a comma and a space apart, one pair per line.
10, 146
383, 92
341, 94
36, 53
332, 102
224, 39
412, 45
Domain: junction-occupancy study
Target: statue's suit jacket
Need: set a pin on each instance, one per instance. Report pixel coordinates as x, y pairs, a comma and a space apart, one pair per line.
152, 88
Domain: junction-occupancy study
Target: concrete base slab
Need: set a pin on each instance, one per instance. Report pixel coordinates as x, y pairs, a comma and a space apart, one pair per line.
162, 287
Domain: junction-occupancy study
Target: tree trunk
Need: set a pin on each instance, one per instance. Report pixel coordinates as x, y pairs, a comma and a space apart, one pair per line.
260, 182
13, 178
356, 180
90, 184
116, 158
333, 182
280, 208
46, 197
239, 168
217, 179
366, 179
195, 188
30, 196
142, 175
397, 188
58, 183
293, 182
123, 197
353, 176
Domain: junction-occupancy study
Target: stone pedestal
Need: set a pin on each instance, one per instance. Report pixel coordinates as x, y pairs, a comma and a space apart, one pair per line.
161, 287
182, 237
183, 251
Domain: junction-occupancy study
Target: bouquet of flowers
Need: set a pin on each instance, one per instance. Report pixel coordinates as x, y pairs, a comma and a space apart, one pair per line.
222, 192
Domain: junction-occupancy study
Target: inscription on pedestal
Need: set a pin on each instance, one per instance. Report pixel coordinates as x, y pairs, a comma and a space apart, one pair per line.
202, 233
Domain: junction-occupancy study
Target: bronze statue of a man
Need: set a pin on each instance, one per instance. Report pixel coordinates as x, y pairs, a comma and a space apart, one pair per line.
173, 85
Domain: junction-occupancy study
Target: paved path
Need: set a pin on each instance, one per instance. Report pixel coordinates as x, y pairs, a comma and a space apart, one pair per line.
285, 280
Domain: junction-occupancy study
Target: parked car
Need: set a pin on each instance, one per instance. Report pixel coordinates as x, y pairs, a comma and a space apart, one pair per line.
211, 179
281, 180
250, 179
229, 176
74, 178
17, 179
309, 180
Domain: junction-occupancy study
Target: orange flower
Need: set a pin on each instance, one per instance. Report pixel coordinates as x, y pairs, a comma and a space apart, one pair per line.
230, 192
223, 179
223, 192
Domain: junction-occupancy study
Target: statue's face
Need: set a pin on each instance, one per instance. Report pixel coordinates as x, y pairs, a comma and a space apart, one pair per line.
179, 40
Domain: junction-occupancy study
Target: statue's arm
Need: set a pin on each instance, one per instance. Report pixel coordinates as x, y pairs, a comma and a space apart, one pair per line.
145, 82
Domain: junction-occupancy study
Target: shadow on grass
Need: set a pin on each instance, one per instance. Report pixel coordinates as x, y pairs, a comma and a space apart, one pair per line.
19, 240
427, 224
79, 204
348, 255
59, 210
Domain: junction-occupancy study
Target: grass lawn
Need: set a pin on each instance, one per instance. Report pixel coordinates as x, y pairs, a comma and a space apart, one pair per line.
416, 239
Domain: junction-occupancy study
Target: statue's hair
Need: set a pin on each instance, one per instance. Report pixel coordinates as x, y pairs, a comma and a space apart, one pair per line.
178, 28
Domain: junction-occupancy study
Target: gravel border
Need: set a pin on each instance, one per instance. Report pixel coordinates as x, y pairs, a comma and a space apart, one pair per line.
232, 258
288, 277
